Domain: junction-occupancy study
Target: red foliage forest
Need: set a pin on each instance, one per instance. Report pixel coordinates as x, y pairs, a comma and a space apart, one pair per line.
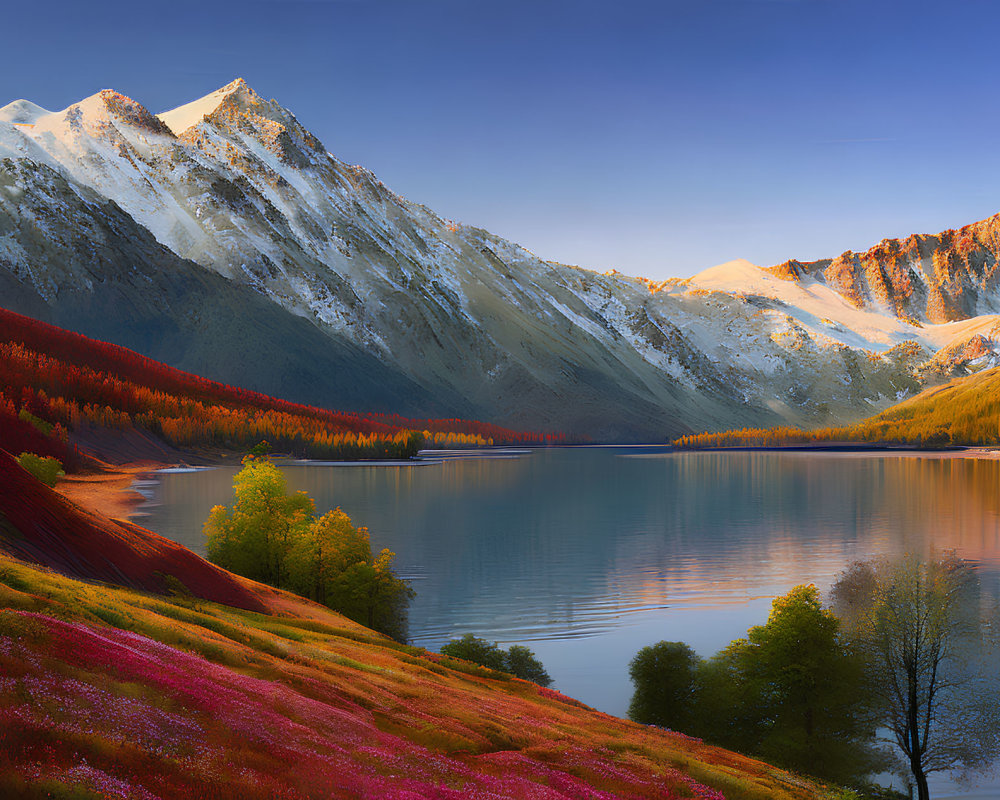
53, 381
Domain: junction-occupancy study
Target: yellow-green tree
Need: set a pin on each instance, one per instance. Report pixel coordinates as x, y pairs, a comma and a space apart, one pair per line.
254, 536
274, 537
805, 689
790, 692
331, 562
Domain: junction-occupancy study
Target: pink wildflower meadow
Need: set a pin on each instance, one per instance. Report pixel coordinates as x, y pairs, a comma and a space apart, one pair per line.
125, 716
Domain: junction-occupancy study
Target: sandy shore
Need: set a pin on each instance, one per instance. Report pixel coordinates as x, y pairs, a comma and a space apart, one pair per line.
107, 493
980, 452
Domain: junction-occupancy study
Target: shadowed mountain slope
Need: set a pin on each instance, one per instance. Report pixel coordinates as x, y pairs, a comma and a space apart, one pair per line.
84, 264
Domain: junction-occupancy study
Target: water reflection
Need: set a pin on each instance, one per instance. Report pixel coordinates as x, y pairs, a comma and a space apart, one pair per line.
591, 553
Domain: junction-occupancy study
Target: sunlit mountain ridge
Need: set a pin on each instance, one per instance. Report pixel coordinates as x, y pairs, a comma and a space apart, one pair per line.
423, 315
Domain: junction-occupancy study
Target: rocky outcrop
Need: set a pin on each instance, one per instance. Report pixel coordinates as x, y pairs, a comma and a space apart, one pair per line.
929, 278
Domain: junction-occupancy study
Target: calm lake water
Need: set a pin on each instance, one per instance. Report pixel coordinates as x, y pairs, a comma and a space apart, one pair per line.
588, 554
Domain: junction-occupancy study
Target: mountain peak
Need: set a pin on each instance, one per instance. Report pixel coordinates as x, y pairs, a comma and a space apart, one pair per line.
22, 112
730, 275
185, 117
237, 111
234, 86
131, 112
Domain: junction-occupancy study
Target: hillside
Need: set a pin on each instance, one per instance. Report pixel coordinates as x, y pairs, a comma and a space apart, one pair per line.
109, 691
41, 527
100, 397
963, 412
421, 311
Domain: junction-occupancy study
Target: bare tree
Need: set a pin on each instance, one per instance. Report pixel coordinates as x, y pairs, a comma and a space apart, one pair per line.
920, 627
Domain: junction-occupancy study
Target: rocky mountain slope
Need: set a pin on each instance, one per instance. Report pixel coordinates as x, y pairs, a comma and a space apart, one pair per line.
72, 257
924, 279
281, 249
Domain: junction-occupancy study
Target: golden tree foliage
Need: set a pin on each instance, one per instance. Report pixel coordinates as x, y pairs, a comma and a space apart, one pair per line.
965, 411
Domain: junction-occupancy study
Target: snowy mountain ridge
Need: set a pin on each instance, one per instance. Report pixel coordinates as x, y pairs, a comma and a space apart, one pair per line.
233, 183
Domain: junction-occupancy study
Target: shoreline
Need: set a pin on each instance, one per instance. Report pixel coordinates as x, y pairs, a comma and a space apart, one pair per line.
108, 493
989, 453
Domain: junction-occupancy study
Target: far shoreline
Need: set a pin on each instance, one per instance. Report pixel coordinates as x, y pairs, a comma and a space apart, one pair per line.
955, 451
110, 492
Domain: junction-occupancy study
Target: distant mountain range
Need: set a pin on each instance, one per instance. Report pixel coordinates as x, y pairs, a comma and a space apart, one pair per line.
222, 238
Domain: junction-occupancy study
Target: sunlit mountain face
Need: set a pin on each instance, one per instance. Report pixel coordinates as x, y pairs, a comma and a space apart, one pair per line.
167, 232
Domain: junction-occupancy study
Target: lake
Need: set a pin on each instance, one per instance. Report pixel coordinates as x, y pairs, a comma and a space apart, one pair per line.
586, 554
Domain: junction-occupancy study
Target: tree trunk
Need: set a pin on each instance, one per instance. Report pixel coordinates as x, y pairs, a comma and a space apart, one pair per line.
913, 724
923, 793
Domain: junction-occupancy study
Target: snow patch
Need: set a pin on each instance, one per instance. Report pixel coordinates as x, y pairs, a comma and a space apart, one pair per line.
597, 331
22, 112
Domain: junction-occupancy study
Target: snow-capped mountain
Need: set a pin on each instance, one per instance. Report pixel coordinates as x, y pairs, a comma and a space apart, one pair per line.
107, 199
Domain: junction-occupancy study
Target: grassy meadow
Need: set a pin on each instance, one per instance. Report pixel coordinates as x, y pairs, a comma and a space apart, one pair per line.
112, 692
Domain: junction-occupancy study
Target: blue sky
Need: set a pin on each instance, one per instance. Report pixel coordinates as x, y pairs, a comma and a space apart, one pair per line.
656, 138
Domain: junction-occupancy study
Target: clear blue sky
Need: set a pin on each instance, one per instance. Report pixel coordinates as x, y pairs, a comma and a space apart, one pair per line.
657, 138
